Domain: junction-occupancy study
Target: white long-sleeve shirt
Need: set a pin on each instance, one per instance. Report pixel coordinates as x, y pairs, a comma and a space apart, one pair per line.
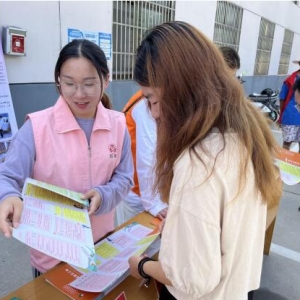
145, 160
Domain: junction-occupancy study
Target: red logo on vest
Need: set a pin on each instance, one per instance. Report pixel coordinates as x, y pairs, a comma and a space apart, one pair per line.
113, 150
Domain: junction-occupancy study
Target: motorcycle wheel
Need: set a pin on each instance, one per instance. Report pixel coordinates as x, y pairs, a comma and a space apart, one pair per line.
273, 115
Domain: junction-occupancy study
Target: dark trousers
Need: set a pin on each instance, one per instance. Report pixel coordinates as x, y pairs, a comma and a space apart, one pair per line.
35, 273
166, 295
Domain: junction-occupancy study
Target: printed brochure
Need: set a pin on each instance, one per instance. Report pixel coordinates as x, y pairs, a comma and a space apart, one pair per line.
55, 221
112, 254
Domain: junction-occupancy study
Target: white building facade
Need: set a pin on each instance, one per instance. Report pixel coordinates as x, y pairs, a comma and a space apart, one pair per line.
265, 33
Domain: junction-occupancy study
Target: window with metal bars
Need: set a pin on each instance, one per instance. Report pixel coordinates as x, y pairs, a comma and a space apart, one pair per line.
228, 23
286, 52
264, 47
130, 21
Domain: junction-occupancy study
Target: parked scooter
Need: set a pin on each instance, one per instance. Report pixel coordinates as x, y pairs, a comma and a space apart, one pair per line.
269, 99
260, 105
262, 108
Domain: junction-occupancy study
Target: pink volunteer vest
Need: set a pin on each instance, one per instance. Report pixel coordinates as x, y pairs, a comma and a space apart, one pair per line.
63, 158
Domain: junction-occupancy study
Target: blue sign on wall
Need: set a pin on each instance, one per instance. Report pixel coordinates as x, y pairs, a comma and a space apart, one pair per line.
100, 38
79, 34
74, 34
105, 44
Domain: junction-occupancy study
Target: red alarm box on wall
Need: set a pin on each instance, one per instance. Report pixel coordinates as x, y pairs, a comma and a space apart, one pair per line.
14, 40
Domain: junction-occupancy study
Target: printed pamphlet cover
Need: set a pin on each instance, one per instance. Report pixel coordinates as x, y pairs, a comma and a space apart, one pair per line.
122, 296
55, 221
61, 276
112, 254
289, 165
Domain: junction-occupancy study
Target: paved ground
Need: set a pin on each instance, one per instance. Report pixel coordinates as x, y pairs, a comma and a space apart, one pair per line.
281, 269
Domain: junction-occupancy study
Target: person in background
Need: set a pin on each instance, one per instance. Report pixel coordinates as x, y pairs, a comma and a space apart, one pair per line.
142, 129
289, 115
215, 169
77, 144
231, 58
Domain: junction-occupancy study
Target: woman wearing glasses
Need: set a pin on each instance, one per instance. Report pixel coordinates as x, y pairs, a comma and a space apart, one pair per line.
77, 144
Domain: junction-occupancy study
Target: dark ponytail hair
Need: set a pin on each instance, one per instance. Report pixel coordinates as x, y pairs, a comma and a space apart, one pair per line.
92, 52
106, 101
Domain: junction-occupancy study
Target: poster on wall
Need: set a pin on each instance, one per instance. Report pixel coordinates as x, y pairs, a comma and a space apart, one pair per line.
100, 38
105, 44
79, 34
8, 122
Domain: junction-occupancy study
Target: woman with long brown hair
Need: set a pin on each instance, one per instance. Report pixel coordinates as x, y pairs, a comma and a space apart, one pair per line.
215, 169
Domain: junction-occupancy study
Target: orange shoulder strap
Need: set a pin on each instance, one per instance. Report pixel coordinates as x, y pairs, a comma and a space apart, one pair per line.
133, 100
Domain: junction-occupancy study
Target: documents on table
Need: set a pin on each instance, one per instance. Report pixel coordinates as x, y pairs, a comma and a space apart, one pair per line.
112, 256
289, 165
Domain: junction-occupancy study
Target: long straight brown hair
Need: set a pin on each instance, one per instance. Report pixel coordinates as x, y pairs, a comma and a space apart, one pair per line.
197, 94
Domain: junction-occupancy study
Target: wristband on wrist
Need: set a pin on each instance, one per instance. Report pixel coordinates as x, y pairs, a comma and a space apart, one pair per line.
141, 267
